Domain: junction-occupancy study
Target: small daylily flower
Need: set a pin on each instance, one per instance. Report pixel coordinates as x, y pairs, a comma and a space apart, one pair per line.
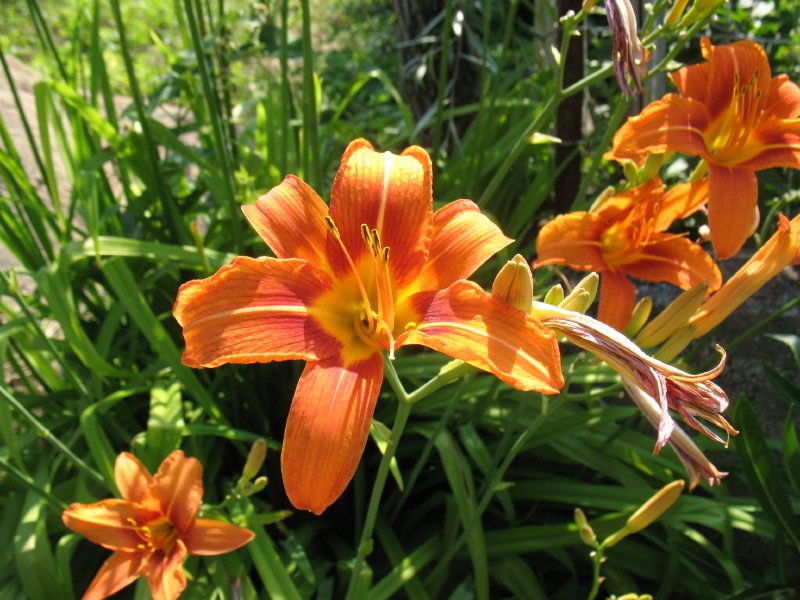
692, 396
628, 53
781, 250
733, 114
152, 528
626, 236
694, 461
377, 271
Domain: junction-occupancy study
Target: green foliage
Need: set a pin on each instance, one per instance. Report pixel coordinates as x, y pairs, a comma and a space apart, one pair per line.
221, 101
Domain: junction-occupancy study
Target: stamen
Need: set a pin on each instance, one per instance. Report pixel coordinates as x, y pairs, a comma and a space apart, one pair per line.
335, 231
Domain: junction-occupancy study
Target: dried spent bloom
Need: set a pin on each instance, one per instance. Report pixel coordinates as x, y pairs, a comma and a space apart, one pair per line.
628, 53
376, 271
692, 396
733, 114
694, 461
152, 528
626, 236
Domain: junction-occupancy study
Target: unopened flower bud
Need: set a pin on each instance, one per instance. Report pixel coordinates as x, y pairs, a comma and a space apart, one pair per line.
676, 12
585, 530
639, 316
255, 459
588, 5
246, 487
259, 484
514, 284
604, 195
672, 318
581, 298
648, 512
676, 344
555, 295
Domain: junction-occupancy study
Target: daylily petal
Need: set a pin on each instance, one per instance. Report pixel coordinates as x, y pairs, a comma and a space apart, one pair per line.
164, 573
680, 202
465, 322
774, 143
692, 81
574, 240
462, 240
109, 523
783, 99
178, 488
732, 208
207, 537
670, 124
618, 206
132, 477
732, 66
617, 299
327, 429
390, 193
677, 260
254, 310
119, 569
290, 218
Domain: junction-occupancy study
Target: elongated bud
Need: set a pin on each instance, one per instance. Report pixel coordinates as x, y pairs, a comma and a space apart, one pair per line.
652, 165
255, 459
639, 316
259, 484
514, 284
588, 5
676, 344
585, 530
672, 318
581, 298
604, 195
648, 512
555, 295
676, 12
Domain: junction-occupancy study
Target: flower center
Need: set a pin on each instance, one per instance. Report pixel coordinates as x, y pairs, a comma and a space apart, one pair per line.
158, 534
374, 321
622, 239
728, 136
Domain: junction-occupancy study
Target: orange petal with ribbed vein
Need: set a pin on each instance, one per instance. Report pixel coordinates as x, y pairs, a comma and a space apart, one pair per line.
109, 523
573, 240
783, 99
465, 322
132, 477
165, 573
207, 537
732, 208
680, 202
463, 239
254, 310
390, 193
774, 143
290, 218
676, 260
119, 569
670, 124
327, 429
733, 66
617, 299
178, 488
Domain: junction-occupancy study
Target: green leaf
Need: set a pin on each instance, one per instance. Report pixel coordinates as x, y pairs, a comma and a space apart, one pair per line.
382, 437
164, 424
791, 452
791, 340
762, 473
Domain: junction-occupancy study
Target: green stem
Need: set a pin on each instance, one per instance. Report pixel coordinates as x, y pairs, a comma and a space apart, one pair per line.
365, 545
597, 558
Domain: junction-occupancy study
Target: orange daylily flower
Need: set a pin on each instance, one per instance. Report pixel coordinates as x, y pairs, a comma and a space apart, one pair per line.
781, 249
626, 236
153, 527
336, 297
732, 113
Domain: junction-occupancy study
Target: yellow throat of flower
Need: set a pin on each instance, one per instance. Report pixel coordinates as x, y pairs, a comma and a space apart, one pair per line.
373, 321
729, 133
158, 534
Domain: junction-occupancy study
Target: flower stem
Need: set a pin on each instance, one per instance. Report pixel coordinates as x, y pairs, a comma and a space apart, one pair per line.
365, 544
